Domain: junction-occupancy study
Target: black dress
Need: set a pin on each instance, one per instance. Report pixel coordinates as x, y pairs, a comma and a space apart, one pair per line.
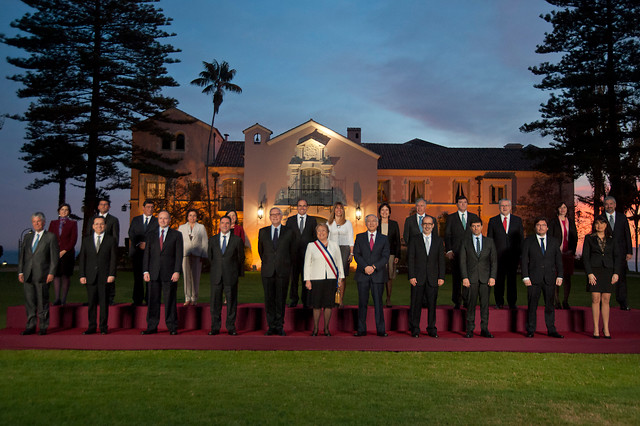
600, 257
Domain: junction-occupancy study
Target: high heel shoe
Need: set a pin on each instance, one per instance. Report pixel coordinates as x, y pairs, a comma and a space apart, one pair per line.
605, 336
327, 333
314, 333
596, 336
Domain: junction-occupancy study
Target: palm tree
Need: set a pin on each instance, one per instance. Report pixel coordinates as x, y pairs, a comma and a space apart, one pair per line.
215, 80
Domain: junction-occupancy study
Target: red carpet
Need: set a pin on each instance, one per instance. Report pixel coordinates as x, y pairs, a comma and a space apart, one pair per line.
125, 322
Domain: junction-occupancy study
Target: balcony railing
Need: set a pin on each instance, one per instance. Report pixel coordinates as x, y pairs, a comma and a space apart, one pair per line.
317, 197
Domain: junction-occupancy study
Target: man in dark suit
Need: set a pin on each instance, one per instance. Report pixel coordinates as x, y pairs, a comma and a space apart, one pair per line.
541, 271
304, 230
426, 271
226, 254
413, 223
457, 229
507, 233
479, 268
371, 251
622, 237
141, 228
38, 260
112, 228
98, 261
276, 247
162, 264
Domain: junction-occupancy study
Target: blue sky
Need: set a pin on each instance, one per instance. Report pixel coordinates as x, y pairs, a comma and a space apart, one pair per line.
453, 72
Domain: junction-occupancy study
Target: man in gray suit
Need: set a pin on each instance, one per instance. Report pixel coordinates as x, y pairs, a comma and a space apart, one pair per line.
478, 269
226, 254
38, 260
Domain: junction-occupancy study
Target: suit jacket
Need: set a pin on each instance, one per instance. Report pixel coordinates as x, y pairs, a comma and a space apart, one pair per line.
509, 242
454, 233
111, 227
411, 228
394, 237
137, 233
539, 267
161, 264
622, 235
276, 262
302, 239
378, 257
227, 267
44, 261
555, 230
427, 269
98, 265
594, 257
196, 246
68, 238
478, 269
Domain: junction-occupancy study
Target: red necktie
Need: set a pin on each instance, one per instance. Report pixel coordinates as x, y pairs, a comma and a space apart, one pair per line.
161, 239
504, 223
371, 242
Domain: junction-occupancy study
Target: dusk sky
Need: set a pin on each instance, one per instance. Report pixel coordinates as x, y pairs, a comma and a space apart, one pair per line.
452, 72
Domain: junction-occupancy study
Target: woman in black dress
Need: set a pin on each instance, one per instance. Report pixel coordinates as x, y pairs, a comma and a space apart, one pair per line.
601, 264
390, 228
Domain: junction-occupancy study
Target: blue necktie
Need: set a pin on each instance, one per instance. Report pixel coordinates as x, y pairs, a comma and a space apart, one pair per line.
224, 244
542, 245
35, 243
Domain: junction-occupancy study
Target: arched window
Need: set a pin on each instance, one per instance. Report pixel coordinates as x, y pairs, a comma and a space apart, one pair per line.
231, 195
180, 142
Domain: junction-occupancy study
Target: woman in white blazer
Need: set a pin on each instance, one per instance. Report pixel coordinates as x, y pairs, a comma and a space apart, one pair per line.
194, 239
322, 270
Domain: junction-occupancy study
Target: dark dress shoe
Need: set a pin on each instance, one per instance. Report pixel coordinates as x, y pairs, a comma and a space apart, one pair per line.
529, 334
360, 333
607, 337
233, 333
499, 306
89, 331
625, 308
565, 305
42, 332
327, 333
147, 331
314, 333
173, 333
58, 303
456, 306
558, 305
486, 334
469, 335
383, 334
269, 332
103, 332
214, 332
556, 335
434, 335
27, 332
293, 304
281, 332
513, 307
415, 334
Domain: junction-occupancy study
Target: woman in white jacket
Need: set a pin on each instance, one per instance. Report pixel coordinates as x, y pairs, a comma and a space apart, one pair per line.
194, 239
322, 270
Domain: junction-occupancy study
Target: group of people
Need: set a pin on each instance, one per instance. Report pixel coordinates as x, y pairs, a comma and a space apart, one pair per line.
302, 254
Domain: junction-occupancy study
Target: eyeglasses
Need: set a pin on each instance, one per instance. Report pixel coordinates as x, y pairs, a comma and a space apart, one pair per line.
427, 224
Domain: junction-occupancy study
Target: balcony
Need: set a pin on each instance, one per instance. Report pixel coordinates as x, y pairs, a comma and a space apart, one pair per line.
317, 197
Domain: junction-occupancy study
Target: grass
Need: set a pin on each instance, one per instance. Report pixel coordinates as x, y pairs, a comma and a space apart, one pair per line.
203, 387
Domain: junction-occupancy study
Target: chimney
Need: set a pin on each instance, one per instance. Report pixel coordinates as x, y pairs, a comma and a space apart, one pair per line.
354, 134
226, 136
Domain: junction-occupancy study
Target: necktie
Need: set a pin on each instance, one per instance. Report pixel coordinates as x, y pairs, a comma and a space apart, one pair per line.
542, 245
224, 244
504, 223
98, 243
35, 243
301, 224
612, 221
146, 222
420, 221
427, 244
371, 242
478, 246
161, 239
275, 239
464, 221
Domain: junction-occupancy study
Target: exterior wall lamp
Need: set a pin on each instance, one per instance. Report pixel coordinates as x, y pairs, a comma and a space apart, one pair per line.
260, 211
358, 212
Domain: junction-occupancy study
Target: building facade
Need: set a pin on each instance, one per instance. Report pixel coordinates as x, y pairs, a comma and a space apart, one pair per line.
314, 162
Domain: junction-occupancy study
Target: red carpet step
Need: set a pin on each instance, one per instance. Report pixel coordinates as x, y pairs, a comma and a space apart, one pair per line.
251, 318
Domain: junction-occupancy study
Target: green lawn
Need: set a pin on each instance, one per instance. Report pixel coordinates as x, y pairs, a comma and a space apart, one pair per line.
222, 387
250, 290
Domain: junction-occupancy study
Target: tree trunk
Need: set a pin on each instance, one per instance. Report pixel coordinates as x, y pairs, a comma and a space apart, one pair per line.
62, 191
